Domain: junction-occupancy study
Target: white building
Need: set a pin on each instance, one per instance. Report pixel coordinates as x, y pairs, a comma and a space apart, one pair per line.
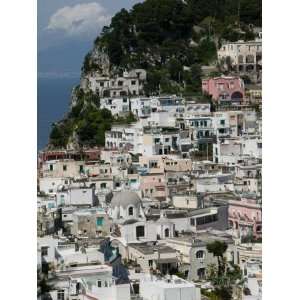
131, 83
206, 183
88, 282
50, 185
244, 56
221, 124
196, 109
117, 106
141, 106
125, 137
128, 215
170, 288
160, 140
77, 196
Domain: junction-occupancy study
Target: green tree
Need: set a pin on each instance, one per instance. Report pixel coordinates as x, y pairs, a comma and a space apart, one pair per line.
218, 248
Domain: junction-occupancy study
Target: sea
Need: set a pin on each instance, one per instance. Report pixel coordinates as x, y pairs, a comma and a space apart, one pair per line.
53, 96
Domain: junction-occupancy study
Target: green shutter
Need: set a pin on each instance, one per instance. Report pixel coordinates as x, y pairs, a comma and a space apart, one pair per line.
99, 221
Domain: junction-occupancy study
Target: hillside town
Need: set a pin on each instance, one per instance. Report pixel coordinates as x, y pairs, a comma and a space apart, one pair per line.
171, 206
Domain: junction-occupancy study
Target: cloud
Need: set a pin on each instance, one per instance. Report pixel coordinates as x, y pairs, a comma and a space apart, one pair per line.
80, 19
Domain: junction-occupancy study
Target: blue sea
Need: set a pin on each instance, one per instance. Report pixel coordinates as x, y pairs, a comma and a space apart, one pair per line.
53, 102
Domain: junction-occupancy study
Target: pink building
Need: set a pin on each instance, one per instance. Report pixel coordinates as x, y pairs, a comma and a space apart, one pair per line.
224, 88
245, 215
153, 186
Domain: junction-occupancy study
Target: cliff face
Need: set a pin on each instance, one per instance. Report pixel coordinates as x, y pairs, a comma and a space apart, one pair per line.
96, 61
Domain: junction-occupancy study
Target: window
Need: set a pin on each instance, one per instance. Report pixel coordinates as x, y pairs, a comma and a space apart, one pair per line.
44, 251
192, 221
201, 272
130, 211
140, 231
200, 254
64, 167
61, 295
51, 205
81, 169
99, 221
207, 219
167, 232
259, 145
66, 181
102, 83
124, 100
51, 167
150, 262
103, 185
133, 82
99, 283
222, 122
153, 164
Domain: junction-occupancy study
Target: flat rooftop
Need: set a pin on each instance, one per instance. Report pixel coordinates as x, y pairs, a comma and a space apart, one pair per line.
203, 238
148, 248
167, 282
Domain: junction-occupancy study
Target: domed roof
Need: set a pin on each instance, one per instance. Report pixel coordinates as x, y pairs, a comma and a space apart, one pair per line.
125, 198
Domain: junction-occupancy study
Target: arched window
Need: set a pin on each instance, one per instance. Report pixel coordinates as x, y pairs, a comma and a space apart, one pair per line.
130, 211
200, 254
237, 95
167, 232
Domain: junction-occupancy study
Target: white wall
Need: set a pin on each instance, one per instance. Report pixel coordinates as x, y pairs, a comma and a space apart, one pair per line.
81, 196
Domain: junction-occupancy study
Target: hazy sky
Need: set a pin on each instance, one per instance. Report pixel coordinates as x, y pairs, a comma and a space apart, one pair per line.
67, 28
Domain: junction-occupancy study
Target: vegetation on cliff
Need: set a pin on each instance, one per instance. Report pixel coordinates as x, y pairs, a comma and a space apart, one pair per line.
85, 124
